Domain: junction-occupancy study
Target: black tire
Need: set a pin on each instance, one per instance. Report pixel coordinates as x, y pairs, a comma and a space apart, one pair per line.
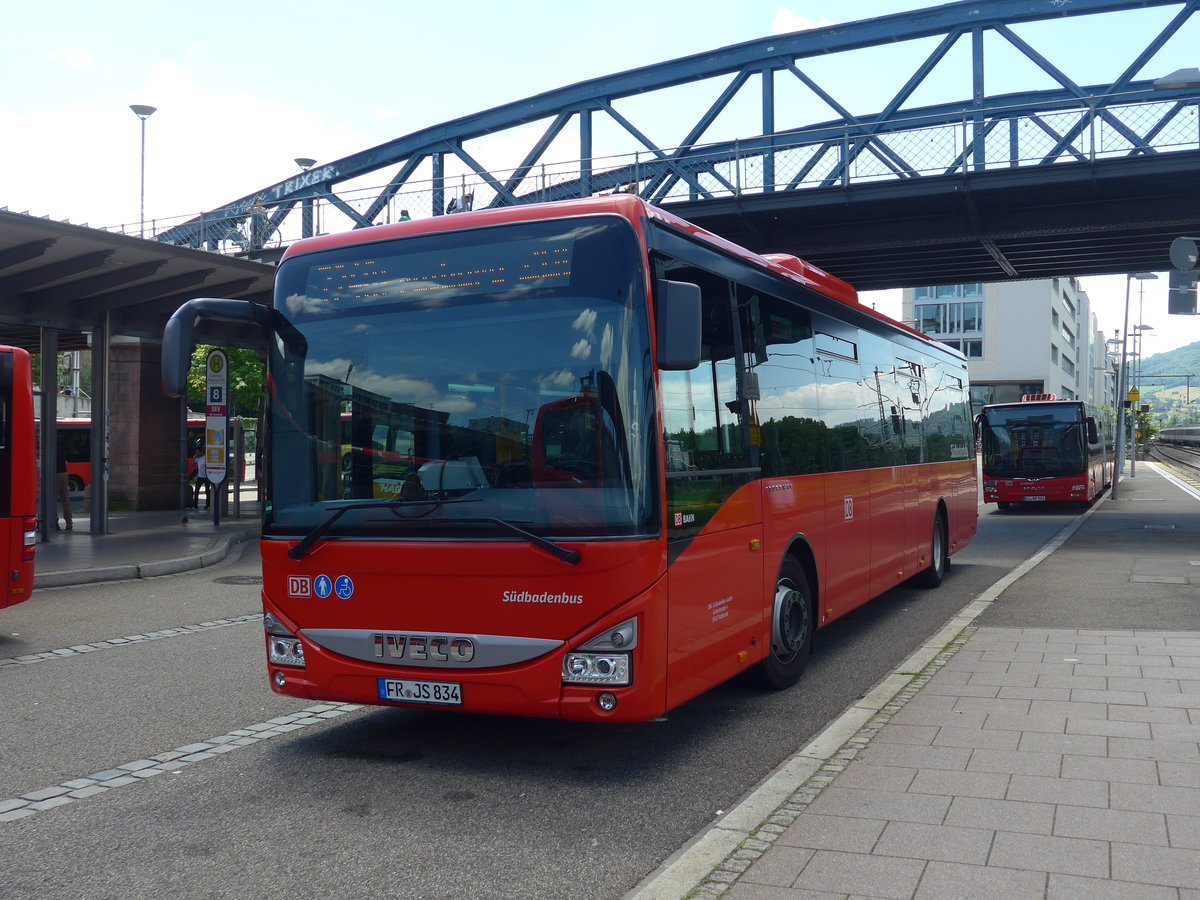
74, 483
1003, 504
939, 557
791, 630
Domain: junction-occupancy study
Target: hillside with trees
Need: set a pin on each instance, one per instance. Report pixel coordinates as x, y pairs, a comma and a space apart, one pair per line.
1173, 397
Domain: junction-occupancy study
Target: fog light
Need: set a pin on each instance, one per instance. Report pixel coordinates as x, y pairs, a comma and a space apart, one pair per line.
596, 668
280, 679
606, 701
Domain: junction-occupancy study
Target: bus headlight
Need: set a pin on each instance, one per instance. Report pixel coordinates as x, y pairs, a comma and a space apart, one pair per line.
596, 668
605, 658
283, 647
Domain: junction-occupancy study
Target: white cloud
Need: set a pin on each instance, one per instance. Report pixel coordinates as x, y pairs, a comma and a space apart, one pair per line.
786, 21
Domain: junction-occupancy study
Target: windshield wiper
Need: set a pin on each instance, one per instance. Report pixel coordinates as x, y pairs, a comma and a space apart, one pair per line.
302, 548
566, 554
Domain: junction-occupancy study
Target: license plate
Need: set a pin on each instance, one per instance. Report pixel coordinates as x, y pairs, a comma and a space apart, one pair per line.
439, 693
1035, 499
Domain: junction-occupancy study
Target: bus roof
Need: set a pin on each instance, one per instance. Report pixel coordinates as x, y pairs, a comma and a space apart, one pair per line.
628, 206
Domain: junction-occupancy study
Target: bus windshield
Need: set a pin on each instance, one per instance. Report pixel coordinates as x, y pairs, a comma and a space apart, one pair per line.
1032, 441
494, 373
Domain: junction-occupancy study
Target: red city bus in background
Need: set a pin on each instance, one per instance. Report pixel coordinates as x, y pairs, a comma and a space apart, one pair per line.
1045, 450
75, 445
18, 475
601, 460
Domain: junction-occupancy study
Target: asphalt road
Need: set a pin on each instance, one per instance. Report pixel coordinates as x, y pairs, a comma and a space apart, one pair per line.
382, 802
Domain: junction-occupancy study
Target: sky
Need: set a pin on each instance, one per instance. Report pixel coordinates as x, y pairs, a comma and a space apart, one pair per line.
242, 89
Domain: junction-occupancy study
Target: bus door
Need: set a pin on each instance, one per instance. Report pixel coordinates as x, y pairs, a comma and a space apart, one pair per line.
890, 410
714, 517
844, 402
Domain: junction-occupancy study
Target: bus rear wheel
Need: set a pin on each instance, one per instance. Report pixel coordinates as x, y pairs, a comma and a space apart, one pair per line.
791, 630
1003, 504
74, 483
938, 557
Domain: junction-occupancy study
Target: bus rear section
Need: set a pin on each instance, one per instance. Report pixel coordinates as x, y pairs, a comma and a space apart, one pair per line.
582, 460
18, 476
1044, 451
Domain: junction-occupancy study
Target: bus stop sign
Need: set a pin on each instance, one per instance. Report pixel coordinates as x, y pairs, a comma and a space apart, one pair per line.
216, 415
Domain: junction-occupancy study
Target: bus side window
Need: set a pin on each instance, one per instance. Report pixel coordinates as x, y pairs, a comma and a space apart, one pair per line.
702, 415
795, 440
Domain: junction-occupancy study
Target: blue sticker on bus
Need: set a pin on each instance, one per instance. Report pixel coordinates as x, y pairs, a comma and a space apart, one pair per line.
322, 586
344, 587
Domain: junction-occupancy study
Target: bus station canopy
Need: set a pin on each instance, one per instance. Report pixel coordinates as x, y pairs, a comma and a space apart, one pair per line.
69, 277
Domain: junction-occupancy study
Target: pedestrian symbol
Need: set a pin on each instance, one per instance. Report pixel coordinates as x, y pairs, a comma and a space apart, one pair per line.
322, 586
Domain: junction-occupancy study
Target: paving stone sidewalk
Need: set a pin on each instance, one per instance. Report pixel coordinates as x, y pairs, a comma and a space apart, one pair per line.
1022, 762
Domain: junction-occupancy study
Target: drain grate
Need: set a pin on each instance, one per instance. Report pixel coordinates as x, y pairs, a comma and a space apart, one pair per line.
239, 579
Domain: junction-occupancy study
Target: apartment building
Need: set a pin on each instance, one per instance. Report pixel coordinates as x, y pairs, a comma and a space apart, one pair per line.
1020, 337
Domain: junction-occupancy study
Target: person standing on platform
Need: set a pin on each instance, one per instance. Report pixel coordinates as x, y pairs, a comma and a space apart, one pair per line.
63, 486
201, 482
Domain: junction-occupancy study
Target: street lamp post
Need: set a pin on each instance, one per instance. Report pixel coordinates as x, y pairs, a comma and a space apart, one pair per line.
306, 205
1139, 344
1123, 381
143, 112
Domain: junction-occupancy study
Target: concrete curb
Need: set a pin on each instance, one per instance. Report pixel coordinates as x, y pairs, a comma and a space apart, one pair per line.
222, 546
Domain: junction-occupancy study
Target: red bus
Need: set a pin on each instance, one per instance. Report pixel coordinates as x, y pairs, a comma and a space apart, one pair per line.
1044, 450
18, 475
75, 445
761, 455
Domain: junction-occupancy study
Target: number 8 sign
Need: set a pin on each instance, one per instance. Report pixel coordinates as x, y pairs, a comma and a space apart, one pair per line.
216, 415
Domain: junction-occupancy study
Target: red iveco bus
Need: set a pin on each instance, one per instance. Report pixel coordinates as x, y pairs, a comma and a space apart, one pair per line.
601, 460
1044, 450
18, 475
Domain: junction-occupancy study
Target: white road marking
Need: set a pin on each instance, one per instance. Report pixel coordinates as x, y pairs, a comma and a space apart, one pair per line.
30, 658
139, 770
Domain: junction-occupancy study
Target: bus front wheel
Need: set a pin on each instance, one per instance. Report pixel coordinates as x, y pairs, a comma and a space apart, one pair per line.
791, 630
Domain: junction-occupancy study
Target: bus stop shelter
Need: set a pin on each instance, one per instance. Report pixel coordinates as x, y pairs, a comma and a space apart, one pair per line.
69, 287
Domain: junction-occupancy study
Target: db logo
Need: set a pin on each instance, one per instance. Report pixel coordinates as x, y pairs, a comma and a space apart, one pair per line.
678, 519
299, 586
848, 508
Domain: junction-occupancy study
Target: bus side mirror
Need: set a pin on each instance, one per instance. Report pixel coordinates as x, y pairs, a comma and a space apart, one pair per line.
242, 324
678, 326
1093, 431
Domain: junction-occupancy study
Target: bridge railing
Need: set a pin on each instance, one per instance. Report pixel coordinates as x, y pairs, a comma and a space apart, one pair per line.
934, 143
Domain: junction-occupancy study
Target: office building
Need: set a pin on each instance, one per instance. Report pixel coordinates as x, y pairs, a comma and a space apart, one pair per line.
1019, 337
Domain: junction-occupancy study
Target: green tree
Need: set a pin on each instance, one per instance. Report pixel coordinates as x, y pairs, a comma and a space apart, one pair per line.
246, 379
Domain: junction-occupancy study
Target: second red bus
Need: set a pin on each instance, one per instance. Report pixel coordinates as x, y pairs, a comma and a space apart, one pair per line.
1044, 450
18, 476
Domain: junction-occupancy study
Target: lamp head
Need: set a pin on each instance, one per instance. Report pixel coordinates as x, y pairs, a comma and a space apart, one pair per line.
305, 163
1179, 80
142, 111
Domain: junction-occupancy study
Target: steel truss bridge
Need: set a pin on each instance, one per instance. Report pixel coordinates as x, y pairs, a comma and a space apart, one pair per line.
1068, 179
